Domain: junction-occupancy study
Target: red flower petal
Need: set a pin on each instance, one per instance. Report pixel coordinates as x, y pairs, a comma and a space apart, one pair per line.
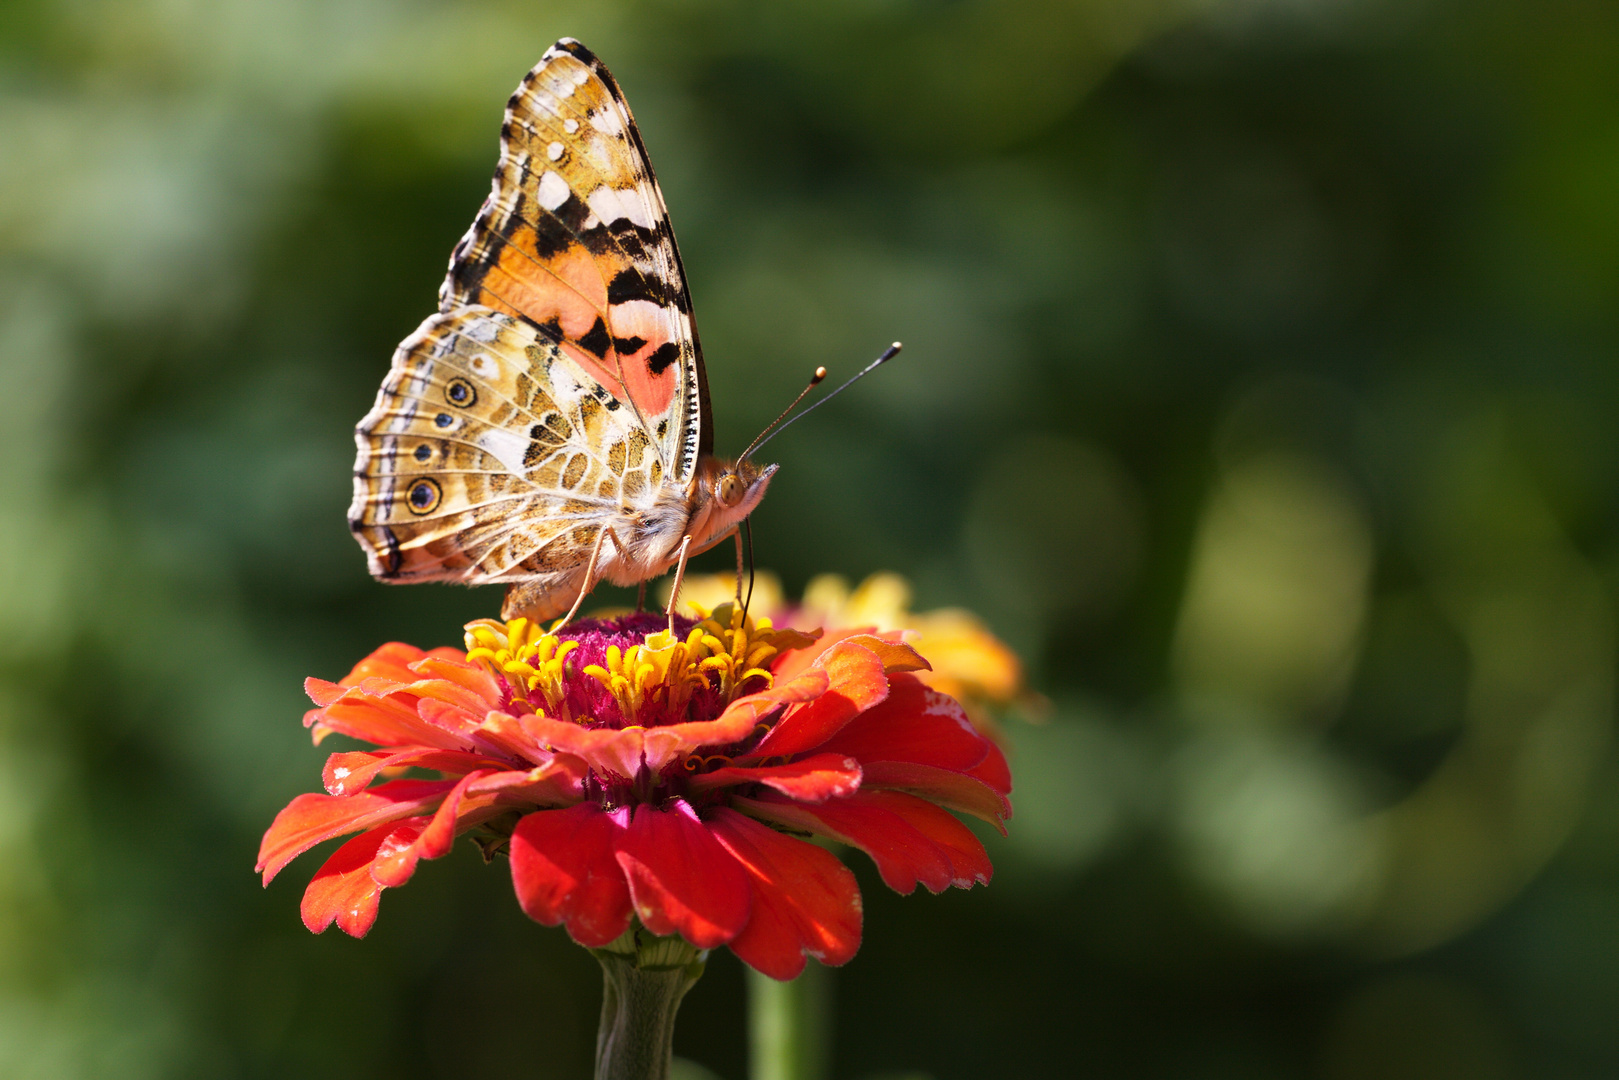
482, 688
666, 744
916, 723
348, 773
790, 665
856, 682
563, 871
681, 879
390, 661
309, 819
384, 719
813, 779
909, 839
995, 772
397, 859
343, 890
608, 750
891, 649
889, 645
454, 691
958, 791
556, 783
451, 717
322, 693
804, 899
502, 733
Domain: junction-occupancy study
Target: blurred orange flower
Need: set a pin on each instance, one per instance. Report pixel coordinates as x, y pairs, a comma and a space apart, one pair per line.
966, 661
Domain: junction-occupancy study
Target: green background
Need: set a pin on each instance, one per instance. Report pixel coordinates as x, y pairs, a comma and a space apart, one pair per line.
1259, 387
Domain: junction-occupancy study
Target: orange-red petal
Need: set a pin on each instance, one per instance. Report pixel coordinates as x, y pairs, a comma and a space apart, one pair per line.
343, 890
994, 771
667, 744
385, 719
564, 872
855, 682
916, 723
957, 791
482, 688
396, 860
909, 839
811, 779
804, 899
347, 773
309, 819
556, 783
682, 880
615, 751
892, 649
391, 661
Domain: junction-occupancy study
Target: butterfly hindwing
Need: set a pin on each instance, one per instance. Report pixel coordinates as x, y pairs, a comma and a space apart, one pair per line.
574, 239
490, 455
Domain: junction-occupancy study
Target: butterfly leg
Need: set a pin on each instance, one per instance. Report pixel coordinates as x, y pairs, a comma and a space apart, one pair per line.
590, 574
739, 567
640, 599
680, 576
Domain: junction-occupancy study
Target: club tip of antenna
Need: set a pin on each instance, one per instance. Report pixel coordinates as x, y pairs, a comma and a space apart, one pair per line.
820, 373
896, 346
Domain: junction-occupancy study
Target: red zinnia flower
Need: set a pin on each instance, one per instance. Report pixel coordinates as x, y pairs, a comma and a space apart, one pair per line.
634, 773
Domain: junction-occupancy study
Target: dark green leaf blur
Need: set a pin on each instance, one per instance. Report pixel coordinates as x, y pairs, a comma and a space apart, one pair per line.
1259, 388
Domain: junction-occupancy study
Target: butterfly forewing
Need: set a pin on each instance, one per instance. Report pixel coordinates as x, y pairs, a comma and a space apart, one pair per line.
574, 238
490, 455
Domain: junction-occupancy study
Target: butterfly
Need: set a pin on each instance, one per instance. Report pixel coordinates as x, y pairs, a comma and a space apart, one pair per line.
549, 426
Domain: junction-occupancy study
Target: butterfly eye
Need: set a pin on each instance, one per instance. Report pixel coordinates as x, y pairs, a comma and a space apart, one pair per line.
460, 392
730, 489
424, 497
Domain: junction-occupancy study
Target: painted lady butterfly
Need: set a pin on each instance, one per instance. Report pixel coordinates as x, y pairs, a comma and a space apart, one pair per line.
549, 427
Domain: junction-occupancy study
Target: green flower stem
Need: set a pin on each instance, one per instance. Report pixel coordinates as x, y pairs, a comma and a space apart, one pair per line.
788, 1025
643, 981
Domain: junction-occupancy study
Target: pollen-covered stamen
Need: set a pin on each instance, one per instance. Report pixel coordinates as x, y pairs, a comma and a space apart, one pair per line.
656, 672
652, 679
533, 663
739, 648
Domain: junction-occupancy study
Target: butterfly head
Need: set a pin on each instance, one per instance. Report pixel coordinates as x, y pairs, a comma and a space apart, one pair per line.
727, 492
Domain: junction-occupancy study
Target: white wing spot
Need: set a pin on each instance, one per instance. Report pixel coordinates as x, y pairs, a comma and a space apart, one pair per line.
553, 190
554, 151
570, 126
607, 121
508, 447
485, 366
611, 204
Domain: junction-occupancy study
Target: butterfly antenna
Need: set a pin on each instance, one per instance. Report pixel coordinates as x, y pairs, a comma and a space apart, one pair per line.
772, 431
815, 380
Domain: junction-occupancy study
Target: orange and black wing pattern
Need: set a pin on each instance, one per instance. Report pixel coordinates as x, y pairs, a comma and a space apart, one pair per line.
558, 392
574, 239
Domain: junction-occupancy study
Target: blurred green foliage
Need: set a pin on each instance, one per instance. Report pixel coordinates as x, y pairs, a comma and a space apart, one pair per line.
1259, 387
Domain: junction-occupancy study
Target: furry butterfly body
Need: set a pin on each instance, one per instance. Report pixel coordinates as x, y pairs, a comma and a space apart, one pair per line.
549, 427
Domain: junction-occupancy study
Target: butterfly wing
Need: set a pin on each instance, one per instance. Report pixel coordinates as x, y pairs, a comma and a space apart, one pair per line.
574, 238
491, 455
